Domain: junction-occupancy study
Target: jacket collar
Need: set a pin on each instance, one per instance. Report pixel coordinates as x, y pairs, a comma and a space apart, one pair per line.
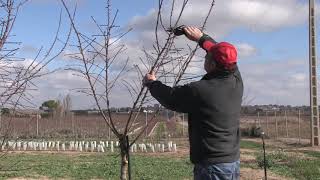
218, 73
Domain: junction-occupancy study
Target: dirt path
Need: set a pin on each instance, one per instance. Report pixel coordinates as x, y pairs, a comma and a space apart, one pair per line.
255, 174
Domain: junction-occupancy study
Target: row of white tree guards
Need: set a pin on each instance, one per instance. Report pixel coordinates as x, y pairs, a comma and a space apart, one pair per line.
85, 146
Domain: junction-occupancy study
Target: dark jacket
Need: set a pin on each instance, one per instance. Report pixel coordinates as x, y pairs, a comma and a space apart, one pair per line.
213, 105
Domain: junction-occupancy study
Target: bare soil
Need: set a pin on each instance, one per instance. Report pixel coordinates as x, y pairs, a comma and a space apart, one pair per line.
257, 174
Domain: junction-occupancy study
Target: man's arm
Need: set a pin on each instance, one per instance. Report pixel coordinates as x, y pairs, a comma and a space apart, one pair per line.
195, 34
206, 41
179, 98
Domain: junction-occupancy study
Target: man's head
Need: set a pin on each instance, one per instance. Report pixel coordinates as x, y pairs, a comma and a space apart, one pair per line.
221, 55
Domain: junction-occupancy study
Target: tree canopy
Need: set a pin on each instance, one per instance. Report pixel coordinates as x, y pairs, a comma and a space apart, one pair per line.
49, 105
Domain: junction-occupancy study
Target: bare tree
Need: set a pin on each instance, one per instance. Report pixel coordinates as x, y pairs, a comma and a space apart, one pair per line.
248, 97
63, 111
17, 74
64, 105
98, 54
67, 104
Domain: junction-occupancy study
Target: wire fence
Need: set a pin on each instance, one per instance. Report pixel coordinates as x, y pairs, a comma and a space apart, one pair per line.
294, 125
279, 125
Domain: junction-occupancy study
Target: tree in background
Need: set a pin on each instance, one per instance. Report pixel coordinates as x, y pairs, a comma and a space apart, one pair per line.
17, 74
50, 105
5, 111
67, 104
59, 109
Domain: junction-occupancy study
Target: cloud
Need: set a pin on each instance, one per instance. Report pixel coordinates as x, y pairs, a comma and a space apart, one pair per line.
16, 77
283, 82
299, 77
267, 15
246, 50
60, 83
79, 2
269, 82
273, 82
255, 15
29, 49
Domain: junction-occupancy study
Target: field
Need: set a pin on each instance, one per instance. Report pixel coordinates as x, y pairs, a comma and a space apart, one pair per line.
285, 162
76, 96
275, 125
73, 126
288, 153
81, 166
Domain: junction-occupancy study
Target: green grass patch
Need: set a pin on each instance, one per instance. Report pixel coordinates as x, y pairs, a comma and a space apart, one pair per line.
96, 166
313, 154
292, 165
250, 145
106, 166
305, 169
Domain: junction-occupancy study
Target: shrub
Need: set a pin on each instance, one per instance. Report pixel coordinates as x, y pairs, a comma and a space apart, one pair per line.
252, 131
272, 158
260, 161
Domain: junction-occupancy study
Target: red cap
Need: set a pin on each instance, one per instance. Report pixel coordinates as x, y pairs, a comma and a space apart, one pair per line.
223, 52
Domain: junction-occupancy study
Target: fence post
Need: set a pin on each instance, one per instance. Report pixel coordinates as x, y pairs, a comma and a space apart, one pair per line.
109, 133
72, 123
80, 128
182, 124
259, 121
0, 122
275, 116
285, 116
299, 127
255, 122
37, 117
267, 124
146, 131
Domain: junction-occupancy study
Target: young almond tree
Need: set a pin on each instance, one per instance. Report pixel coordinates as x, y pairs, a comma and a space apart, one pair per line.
16, 73
101, 60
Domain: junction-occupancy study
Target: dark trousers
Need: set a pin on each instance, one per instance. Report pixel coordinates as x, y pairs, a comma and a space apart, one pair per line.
221, 171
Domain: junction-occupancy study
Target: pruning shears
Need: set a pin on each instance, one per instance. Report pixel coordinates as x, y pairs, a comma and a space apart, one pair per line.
178, 31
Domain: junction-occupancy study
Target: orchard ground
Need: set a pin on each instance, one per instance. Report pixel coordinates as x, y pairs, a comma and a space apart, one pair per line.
285, 161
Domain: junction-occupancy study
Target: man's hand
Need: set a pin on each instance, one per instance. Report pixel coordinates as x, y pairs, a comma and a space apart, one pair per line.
148, 78
193, 33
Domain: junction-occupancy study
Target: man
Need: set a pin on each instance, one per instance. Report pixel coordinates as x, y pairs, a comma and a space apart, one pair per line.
213, 105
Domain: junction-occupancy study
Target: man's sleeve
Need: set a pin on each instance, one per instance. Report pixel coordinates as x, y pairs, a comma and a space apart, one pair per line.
206, 42
179, 98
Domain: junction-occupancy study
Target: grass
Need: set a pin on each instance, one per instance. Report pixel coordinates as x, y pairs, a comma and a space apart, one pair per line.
313, 154
106, 166
94, 167
305, 169
292, 165
302, 169
250, 145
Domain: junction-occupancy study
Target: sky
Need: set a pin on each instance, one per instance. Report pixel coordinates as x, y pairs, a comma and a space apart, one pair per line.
271, 37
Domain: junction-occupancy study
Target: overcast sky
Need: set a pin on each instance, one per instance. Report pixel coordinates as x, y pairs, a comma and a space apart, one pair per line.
271, 37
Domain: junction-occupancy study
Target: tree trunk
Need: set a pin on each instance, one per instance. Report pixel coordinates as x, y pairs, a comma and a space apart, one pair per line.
124, 159
124, 166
